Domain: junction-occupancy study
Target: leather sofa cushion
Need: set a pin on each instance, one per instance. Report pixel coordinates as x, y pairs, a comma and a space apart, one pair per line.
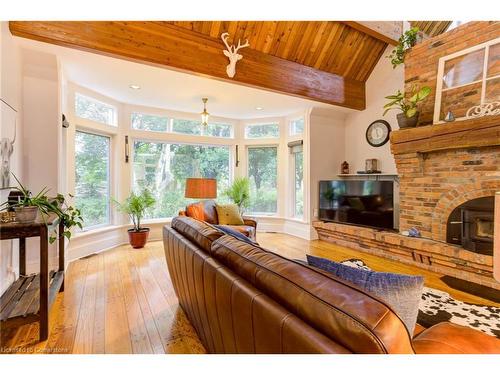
449, 338
196, 231
209, 211
347, 315
196, 211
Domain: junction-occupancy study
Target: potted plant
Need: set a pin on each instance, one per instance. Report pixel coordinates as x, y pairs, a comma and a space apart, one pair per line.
239, 192
135, 207
407, 40
409, 114
28, 206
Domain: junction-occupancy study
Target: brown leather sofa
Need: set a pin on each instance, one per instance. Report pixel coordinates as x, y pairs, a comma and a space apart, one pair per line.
241, 298
249, 229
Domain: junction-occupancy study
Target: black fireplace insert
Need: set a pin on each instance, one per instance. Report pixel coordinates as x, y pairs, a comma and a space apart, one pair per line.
471, 225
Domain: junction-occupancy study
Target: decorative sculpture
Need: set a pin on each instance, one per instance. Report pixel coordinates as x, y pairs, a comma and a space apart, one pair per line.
6, 150
232, 54
485, 109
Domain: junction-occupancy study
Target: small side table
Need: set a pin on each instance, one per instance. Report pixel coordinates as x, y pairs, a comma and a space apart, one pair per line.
29, 298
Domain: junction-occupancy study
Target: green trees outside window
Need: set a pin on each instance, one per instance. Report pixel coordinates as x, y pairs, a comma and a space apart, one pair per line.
92, 190
162, 168
262, 171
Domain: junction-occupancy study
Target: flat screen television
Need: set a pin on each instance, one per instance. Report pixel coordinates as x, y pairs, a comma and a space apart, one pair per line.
358, 202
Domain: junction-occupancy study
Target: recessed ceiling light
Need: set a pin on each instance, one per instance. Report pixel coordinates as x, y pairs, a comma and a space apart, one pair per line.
259, 108
135, 87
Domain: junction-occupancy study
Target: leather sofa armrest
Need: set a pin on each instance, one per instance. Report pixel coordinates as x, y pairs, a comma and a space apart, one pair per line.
449, 338
182, 213
250, 222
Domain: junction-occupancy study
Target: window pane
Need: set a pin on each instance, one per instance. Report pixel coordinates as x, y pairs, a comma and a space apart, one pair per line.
459, 100
494, 60
463, 69
299, 184
141, 121
262, 171
92, 178
186, 127
492, 93
163, 169
219, 130
94, 110
297, 126
262, 131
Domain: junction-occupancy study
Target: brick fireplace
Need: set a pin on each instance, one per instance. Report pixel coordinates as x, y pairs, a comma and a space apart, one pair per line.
448, 176
440, 168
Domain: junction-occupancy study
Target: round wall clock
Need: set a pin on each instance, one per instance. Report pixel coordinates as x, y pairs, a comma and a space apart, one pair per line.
377, 133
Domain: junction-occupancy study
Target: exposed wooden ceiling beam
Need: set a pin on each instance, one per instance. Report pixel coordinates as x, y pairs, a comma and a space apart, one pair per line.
169, 46
386, 31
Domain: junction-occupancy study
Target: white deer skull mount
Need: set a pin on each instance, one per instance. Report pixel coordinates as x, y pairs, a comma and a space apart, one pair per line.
6, 150
232, 54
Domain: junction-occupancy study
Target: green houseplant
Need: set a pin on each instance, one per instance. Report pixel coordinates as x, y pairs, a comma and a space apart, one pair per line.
135, 207
239, 192
405, 42
409, 107
28, 206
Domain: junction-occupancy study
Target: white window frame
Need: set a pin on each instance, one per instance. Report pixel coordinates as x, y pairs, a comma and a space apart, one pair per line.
114, 120
261, 123
439, 83
293, 192
110, 181
290, 133
166, 140
276, 145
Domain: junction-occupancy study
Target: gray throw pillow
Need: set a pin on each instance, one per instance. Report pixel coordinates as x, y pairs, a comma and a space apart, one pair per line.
401, 292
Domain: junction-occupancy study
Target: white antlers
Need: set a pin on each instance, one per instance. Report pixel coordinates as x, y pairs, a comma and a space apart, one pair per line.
232, 54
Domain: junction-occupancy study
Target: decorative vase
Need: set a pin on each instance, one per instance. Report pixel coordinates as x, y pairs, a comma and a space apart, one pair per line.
26, 214
407, 122
138, 239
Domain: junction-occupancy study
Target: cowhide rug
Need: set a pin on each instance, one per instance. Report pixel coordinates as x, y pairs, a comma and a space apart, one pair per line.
437, 306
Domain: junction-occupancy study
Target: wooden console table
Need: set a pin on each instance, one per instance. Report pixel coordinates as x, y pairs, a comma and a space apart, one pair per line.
29, 298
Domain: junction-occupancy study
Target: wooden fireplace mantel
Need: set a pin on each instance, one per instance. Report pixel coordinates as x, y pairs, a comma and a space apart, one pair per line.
478, 132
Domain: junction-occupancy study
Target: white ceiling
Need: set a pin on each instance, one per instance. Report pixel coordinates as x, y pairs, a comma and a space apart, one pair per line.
163, 88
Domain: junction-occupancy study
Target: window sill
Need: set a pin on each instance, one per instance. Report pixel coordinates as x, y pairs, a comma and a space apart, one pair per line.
95, 231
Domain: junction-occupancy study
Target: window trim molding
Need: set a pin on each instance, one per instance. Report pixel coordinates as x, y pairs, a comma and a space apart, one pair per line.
440, 72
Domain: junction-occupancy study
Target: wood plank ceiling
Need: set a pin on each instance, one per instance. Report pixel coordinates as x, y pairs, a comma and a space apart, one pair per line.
432, 28
326, 61
330, 46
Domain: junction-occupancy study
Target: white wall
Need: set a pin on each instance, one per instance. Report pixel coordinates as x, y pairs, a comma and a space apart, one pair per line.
383, 81
10, 92
327, 152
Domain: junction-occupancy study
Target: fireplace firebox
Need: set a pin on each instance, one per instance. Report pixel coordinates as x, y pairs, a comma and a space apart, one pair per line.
471, 225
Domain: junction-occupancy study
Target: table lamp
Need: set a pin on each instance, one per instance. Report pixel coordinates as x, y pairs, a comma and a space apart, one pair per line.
201, 188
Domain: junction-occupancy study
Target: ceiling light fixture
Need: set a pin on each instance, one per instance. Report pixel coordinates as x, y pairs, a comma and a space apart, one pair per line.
135, 87
259, 108
204, 114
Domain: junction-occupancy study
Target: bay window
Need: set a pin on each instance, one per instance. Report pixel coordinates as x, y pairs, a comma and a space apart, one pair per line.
94, 110
92, 181
163, 167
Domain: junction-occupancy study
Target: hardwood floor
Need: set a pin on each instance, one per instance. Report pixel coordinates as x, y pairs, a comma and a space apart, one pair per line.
122, 301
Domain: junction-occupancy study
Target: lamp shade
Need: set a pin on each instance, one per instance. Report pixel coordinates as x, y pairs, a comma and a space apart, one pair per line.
201, 188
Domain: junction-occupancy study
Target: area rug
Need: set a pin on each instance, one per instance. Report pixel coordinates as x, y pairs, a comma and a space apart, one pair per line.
437, 306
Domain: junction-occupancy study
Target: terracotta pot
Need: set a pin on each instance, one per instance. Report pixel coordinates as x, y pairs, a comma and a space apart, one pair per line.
405, 122
26, 214
138, 239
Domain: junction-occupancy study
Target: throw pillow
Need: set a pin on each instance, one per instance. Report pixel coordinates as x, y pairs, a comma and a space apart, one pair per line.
229, 214
401, 292
235, 233
196, 211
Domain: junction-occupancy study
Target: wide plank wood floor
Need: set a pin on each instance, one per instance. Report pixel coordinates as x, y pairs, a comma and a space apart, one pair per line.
122, 301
